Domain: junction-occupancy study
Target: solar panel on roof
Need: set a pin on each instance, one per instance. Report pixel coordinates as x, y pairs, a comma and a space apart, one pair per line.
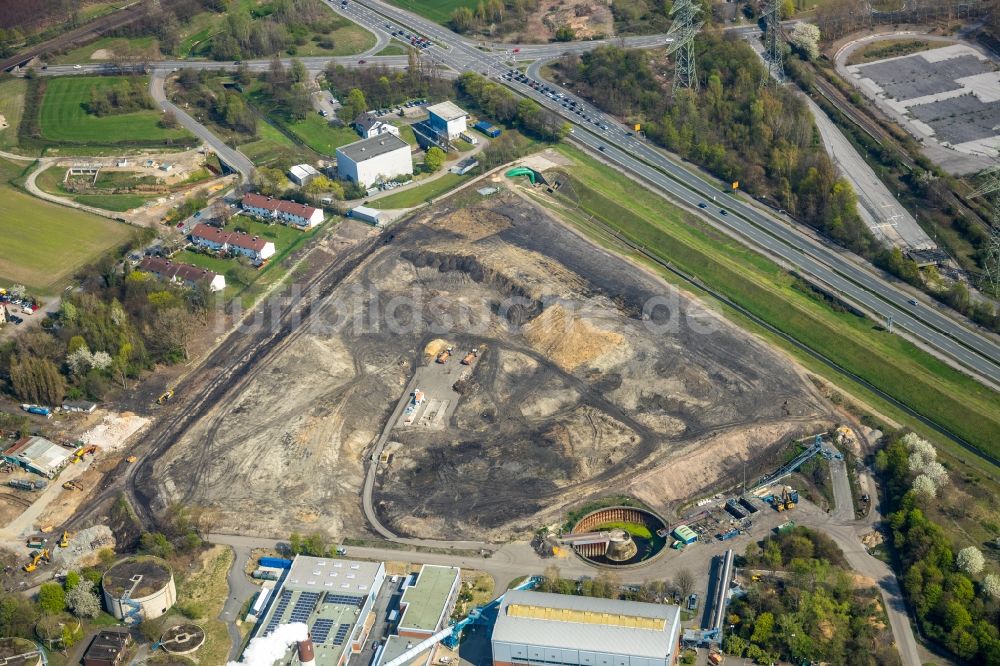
321, 630
338, 638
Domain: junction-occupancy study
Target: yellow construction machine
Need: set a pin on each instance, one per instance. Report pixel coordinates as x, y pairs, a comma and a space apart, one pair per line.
43, 554
64, 542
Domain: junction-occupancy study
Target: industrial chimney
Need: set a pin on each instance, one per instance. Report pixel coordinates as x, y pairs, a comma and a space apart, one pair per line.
307, 656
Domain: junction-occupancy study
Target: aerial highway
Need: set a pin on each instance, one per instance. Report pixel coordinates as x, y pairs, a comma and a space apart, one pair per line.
819, 261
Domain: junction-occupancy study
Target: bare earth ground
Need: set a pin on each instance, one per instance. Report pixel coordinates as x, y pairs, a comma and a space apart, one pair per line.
588, 19
574, 395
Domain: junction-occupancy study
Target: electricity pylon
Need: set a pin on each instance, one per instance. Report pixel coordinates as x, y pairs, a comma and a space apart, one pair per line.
773, 54
990, 187
683, 29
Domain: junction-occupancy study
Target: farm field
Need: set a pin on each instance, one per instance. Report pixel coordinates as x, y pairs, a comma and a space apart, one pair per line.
51, 180
45, 243
12, 108
418, 194
889, 362
435, 10
63, 117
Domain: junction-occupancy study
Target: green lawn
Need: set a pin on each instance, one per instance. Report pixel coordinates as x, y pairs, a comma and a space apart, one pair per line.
12, 108
394, 48
889, 362
350, 39
113, 202
270, 146
317, 133
84, 54
64, 118
407, 135
418, 194
435, 10
44, 243
208, 262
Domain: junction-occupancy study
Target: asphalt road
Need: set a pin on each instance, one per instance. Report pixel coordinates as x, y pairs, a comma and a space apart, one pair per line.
975, 350
230, 156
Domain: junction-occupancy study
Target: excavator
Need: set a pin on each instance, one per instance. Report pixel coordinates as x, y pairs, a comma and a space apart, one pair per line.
64, 542
165, 397
40, 555
83, 451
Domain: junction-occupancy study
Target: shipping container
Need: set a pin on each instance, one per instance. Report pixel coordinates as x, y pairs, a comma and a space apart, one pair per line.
276, 562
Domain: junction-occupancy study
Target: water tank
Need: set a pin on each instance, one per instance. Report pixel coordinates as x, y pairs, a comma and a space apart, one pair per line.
139, 588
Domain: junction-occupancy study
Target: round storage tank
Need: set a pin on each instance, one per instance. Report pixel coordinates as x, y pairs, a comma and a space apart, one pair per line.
139, 588
19, 652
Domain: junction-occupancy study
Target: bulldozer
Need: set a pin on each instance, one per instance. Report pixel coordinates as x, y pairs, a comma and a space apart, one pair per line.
64, 542
83, 451
36, 558
72, 485
165, 397
131, 459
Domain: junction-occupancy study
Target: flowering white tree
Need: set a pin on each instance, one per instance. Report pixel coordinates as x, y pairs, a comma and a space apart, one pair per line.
80, 360
101, 360
970, 560
937, 473
805, 37
924, 487
991, 586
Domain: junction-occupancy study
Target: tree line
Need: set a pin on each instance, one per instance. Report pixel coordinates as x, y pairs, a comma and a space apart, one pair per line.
956, 606
762, 138
118, 324
493, 16
282, 25
814, 613
126, 96
501, 105
383, 87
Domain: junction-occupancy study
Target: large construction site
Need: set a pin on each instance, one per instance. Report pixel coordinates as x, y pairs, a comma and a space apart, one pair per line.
488, 367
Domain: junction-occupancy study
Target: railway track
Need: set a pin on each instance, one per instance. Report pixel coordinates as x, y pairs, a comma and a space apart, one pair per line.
227, 368
83, 33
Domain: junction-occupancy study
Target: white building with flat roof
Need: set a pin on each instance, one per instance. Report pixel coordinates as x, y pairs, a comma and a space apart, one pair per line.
447, 119
568, 630
379, 158
301, 174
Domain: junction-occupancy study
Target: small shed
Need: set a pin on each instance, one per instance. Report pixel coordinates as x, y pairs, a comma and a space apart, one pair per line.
109, 648
685, 534
371, 215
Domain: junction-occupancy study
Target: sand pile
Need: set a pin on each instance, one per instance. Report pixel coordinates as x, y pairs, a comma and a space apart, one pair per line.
114, 430
568, 340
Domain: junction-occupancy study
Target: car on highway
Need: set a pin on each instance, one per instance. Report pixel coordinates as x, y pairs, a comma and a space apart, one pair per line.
912, 301
362, 61
722, 211
601, 148
77, 67
703, 205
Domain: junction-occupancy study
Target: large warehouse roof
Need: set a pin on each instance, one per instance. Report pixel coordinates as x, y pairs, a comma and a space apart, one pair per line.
447, 111
359, 151
587, 623
319, 574
39, 455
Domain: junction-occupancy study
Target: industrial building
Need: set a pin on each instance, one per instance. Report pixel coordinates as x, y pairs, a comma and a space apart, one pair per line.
566, 630
366, 214
19, 652
334, 598
301, 174
185, 274
109, 648
379, 158
464, 166
286, 212
38, 455
139, 588
447, 119
254, 248
427, 603
685, 534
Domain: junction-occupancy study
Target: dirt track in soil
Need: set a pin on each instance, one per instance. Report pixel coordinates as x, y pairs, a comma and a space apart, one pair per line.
575, 394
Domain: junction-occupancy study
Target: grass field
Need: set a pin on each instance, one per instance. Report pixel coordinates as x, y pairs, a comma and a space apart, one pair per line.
890, 48
45, 243
349, 39
887, 361
317, 133
64, 118
407, 135
12, 108
394, 48
51, 181
435, 10
270, 146
418, 194
83, 54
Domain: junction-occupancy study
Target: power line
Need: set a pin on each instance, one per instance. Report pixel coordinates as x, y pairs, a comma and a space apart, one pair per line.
990, 187
773, 48
683, 30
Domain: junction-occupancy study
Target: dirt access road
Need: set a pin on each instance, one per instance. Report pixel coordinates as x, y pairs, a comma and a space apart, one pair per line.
572, 396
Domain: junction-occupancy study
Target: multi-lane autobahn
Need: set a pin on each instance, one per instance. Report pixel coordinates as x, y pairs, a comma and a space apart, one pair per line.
974, 350
832, 267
